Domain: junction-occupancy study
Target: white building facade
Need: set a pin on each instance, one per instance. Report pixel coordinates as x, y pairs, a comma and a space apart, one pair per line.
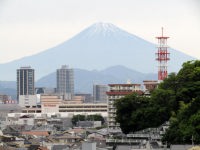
118, 91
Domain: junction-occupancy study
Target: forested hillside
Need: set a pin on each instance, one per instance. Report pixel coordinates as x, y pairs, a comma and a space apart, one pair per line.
177, 99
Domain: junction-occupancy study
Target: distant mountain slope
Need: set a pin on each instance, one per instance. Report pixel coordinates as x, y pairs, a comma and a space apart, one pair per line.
99, 46
9, 88
8, 84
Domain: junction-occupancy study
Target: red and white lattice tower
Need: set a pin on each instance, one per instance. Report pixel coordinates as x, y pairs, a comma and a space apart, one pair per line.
162, 56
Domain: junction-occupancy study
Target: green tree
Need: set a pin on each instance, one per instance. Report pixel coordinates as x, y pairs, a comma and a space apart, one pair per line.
136, 112
188, 79
129, 109
176, 99
187, 124
77, 118
95, 117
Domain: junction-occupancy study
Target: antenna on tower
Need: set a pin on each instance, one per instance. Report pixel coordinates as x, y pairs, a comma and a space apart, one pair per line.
162, 56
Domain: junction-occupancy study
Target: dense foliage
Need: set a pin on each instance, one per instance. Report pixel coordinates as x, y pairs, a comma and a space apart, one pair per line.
176, 99
96, 117
129, 109
186, 125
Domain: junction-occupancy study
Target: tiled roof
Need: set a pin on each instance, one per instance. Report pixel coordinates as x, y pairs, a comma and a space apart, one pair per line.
37, 133
76, 130
42, 148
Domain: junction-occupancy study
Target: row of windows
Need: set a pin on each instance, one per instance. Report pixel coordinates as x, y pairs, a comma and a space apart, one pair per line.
82, 111
116, 96
31, 111
82, 106
125, 88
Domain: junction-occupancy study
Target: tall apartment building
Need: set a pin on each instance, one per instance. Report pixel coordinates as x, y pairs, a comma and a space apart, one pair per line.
25, 81
26, 86
99, 93
118, 91
65, 82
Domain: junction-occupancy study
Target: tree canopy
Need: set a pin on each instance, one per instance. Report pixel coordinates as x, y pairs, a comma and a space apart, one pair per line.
177, 99
96, 117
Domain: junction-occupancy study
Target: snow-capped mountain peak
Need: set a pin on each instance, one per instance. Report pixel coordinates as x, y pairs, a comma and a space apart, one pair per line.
105, 29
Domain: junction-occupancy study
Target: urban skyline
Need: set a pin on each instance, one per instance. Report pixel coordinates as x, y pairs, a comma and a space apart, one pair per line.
92, 74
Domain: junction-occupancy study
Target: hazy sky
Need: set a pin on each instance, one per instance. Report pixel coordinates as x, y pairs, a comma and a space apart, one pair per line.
31, 26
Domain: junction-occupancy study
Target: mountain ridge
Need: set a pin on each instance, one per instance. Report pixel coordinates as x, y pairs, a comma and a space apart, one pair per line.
84, 79
99, 50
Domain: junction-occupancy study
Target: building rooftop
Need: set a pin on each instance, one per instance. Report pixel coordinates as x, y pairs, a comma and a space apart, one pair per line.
37, 133
9, 107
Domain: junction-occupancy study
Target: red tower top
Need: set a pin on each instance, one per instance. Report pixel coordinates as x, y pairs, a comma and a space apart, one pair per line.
162, 56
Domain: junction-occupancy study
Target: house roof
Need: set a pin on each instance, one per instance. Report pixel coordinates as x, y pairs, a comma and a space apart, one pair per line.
76, 130
37, 133
65, 136
56, 147
42, 148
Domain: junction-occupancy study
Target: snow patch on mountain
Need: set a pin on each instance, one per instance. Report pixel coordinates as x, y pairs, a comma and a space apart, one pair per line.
106, 30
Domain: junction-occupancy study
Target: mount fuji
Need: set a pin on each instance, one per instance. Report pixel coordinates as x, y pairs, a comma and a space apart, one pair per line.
97, 47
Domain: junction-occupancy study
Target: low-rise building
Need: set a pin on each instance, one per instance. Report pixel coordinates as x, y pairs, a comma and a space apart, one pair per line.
27, 100
50, 103
84, 109
53, 104
4, 98
150, 85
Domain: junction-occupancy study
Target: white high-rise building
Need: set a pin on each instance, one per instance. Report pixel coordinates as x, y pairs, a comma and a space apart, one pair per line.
65, 82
